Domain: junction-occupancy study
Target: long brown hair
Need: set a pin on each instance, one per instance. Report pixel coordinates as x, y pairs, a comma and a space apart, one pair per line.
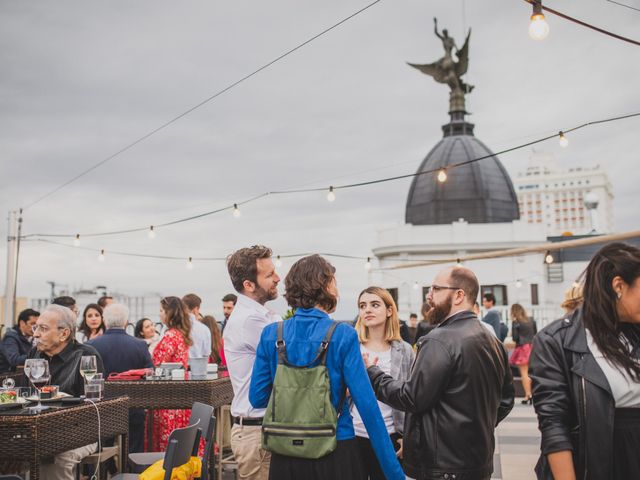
519, 314
84, 328
216, 336
392, 324
599, 312
177, 317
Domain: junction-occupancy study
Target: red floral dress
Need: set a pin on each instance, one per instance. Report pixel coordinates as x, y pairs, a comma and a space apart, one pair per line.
172, 348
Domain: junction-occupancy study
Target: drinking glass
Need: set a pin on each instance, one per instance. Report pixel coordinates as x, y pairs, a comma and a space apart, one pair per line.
37, 371
88, 367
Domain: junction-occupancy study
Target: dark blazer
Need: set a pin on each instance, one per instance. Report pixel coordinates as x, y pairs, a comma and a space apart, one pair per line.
492, 317
121, 352
16, 347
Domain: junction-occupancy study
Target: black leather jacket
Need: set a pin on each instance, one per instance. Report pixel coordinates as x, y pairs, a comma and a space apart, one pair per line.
568, 388
460, 388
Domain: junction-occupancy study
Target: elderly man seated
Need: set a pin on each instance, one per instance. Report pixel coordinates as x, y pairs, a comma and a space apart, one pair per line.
121, 352
54, 332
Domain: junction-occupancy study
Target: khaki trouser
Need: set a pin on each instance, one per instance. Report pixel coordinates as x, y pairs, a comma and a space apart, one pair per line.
253, 461
65, 463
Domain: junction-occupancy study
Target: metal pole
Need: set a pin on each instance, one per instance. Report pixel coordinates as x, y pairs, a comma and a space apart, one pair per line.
12, 270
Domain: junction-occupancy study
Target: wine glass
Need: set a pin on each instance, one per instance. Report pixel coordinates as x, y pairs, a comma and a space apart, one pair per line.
37, 371
88, 367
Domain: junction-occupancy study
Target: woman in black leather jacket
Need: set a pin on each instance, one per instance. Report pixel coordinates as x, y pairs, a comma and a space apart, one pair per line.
586, 376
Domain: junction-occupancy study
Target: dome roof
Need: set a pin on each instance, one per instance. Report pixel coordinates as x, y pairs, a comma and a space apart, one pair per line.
480, 192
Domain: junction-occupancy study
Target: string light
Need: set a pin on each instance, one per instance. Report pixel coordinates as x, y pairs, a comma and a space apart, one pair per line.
458, 263
76, 241
331, 196
538, 27
236, 210
548, 258
442, 176
101, 256
416, 286
278, 261
190, 263
564, 141
367, 265
151, 233
518, 283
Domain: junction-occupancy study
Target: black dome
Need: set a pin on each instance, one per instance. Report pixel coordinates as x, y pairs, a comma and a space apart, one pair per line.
480, 192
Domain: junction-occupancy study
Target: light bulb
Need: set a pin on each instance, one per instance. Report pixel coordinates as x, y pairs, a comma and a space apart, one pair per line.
548, 258
416, 286
190, 263
76, 241
236, 210
518, 284
442, 176
367, 265
564, 141
151, 233
331, 196
278, 261
538, 27
458, 263
101, 256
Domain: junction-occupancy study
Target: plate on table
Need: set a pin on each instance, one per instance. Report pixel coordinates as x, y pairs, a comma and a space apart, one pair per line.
57, 398
19, 402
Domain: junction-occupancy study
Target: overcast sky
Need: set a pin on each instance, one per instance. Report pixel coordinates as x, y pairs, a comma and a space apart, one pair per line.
80, 80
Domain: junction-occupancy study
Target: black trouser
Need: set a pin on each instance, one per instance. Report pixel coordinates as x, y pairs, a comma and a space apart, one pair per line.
369, 459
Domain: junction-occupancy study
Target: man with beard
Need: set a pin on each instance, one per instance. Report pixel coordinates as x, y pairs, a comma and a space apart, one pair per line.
254, 277
460, 387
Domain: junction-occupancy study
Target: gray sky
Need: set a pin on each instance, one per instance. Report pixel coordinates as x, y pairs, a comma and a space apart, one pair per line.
80, 80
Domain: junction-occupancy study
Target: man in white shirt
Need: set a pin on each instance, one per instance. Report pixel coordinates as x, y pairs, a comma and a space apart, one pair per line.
200, 333
254, 277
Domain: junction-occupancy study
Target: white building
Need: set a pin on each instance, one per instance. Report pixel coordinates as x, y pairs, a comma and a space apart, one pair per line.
555, 198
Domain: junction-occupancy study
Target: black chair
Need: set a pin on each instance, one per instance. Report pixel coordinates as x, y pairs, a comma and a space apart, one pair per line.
201, 414
179, 450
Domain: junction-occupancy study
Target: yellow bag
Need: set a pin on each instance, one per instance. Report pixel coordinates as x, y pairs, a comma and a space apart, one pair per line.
190, 470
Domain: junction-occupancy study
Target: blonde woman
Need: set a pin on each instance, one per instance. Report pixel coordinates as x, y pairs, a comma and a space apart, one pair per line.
378, 330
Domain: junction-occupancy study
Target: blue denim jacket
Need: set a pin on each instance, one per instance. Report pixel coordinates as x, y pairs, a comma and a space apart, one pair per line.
303, 334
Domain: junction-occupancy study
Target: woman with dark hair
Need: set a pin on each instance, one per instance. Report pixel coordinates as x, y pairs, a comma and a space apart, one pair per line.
522, 331
145, 330
217, 343
92, 324
174, 348
585, 369
311, 290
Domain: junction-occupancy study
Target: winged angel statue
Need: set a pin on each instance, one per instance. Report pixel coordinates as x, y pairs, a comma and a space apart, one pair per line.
447, 70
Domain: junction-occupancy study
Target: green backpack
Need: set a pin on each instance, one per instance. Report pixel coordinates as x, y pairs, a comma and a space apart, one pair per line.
300, 420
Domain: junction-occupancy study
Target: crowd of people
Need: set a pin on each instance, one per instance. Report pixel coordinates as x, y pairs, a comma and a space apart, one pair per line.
414, 400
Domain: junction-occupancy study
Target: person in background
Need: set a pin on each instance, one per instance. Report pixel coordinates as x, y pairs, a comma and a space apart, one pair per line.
311, 290
228, 304
174, 348
412, 329
522, 331
5, 366
18, 341
200, 334
572, 299
92, 324
378, 330
424, 327
217, 343
69, 302
121, 352
145, 330
492, 315
585, 370
476, 310
104, 301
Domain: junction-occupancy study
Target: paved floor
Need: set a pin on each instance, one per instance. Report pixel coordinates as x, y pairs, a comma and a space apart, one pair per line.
517, 444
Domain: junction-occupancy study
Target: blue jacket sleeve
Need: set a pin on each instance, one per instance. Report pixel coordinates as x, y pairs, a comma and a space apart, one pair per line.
357, 381
12, 351
261, 378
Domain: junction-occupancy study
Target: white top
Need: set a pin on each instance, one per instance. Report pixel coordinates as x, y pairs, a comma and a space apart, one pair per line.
384, 362
241, 336
626, 392
201, 338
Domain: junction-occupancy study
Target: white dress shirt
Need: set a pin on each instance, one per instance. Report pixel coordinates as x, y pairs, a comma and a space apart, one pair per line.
241, 336
200, 338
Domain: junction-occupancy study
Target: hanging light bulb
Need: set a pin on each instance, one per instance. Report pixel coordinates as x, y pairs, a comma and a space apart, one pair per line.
331, 196
564, 141
458, 263
442, 175
518, 284
101, 256
416, 286
538, 27
76, 241
151, 233
367, 265
278, 261
190, 263
548, 258
236, 210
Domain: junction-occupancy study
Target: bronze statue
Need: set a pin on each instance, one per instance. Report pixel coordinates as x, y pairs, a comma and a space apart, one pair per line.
447, 70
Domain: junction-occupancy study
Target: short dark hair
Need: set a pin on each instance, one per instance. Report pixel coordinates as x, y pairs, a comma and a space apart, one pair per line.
489, 297
230, 297
102, 301
467, 281
413, 315
65, 301
307, 283
243, 265
191, 300
26, 314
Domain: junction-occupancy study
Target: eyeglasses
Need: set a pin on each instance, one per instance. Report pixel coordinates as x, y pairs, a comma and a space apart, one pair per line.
44, 328
437, 288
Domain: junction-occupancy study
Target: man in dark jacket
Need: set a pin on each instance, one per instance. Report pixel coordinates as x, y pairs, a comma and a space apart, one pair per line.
19, 340
460, 388
121, 352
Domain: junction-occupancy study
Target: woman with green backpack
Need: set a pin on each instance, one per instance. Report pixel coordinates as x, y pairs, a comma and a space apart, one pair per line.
303, 367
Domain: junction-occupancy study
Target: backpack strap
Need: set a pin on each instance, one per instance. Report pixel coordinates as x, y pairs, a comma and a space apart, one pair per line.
324, 345
321, 353
281, 346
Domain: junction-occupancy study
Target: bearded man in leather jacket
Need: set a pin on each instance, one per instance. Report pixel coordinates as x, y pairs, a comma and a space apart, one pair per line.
459, 390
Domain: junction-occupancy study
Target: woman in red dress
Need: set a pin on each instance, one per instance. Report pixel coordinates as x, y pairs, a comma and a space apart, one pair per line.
173, 347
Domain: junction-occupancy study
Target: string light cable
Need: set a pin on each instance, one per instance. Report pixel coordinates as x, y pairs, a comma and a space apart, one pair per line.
624, 5
200, 104
332, 189
584, 24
